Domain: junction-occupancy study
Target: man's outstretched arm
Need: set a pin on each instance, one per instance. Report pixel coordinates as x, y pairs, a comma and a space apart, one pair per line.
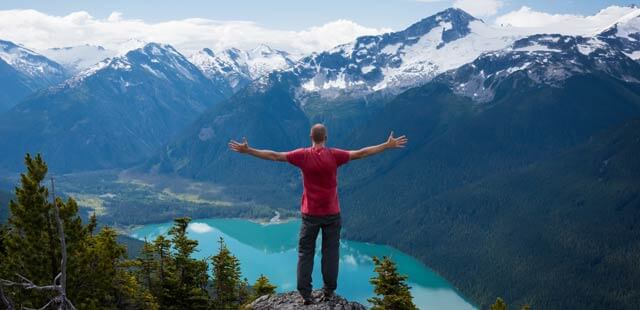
244, 148
391, 143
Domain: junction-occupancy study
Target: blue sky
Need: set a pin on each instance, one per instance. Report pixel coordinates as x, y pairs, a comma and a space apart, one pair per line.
300, 27
294, 14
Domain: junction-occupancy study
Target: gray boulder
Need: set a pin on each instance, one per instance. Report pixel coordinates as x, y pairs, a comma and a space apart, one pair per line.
293, 301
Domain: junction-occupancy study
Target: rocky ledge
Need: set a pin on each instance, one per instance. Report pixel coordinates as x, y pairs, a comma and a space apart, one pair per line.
293, 301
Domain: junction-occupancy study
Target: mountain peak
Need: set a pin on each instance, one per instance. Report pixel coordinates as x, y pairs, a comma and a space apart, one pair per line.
455, 13
455, 23
30, 63
263, 50
8, 46
154, 50
131, 44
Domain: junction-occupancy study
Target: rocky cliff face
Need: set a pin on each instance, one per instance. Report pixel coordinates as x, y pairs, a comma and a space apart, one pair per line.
293, 301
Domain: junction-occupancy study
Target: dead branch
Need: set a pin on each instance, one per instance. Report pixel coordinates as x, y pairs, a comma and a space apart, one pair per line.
5, 299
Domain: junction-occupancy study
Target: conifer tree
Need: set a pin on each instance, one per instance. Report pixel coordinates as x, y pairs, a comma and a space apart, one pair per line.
244, 293
191, 274
263, 287
33, 250
226, 279
390, 286
162, 247
174, 278
31, 238
499, 305
147, 265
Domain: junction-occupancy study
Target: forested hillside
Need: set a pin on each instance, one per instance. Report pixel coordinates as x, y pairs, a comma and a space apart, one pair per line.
577, 211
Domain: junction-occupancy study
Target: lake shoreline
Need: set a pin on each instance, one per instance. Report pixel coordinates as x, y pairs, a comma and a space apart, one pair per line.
355, 254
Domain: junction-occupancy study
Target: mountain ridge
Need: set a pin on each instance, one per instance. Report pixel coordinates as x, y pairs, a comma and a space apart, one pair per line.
111, 115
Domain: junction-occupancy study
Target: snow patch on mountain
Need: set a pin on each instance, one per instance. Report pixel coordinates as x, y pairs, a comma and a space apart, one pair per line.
155, 59
542, 59
30, 63
236, 68
78, 58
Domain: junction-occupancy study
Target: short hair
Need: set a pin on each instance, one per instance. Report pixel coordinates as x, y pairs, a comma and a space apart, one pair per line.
318, 133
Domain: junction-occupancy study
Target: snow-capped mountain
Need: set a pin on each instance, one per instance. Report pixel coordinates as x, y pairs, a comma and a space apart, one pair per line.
262, 60
398, 60
40, 69
23, 72
542, 59
393, 62
110, 115
155, 60
78, 58
625, 34
233, 68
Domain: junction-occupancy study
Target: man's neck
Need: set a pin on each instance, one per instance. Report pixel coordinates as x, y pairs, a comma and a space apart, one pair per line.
317, 145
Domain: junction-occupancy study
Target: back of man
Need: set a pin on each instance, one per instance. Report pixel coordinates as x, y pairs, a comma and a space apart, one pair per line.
319, 170
320, 212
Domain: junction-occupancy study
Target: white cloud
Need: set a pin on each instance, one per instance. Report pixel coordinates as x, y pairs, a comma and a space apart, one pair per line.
479, 8
526, 17
200, 228
38, 30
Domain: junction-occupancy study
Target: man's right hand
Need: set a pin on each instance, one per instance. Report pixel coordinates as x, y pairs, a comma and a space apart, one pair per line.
262, 154
239, 147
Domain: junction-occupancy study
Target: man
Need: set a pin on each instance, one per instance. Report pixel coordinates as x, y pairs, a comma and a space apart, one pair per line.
320, 207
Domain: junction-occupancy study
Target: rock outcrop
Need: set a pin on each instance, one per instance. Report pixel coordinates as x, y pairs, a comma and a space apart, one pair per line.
293, 301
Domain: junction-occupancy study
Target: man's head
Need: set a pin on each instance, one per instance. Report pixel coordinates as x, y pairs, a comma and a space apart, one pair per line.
318, 133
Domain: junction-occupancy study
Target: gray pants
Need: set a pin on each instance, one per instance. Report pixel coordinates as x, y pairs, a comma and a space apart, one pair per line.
309, 229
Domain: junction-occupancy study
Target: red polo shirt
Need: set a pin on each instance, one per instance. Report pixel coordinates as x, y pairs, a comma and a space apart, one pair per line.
319, 173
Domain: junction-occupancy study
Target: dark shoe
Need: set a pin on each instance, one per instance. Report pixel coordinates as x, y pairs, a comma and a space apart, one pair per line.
327, 295
307, 300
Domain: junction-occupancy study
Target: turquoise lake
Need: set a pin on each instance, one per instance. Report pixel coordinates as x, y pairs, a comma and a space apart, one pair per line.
271, 249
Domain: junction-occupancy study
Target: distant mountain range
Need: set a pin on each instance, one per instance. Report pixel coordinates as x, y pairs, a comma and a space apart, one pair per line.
521, 142
113, 114
111, 109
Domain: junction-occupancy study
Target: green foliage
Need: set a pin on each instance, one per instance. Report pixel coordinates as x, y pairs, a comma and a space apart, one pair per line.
4, 206
166, 269
189, 275
391, 287
96, 276
177, 281
499, 305
263, 287
227, 285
